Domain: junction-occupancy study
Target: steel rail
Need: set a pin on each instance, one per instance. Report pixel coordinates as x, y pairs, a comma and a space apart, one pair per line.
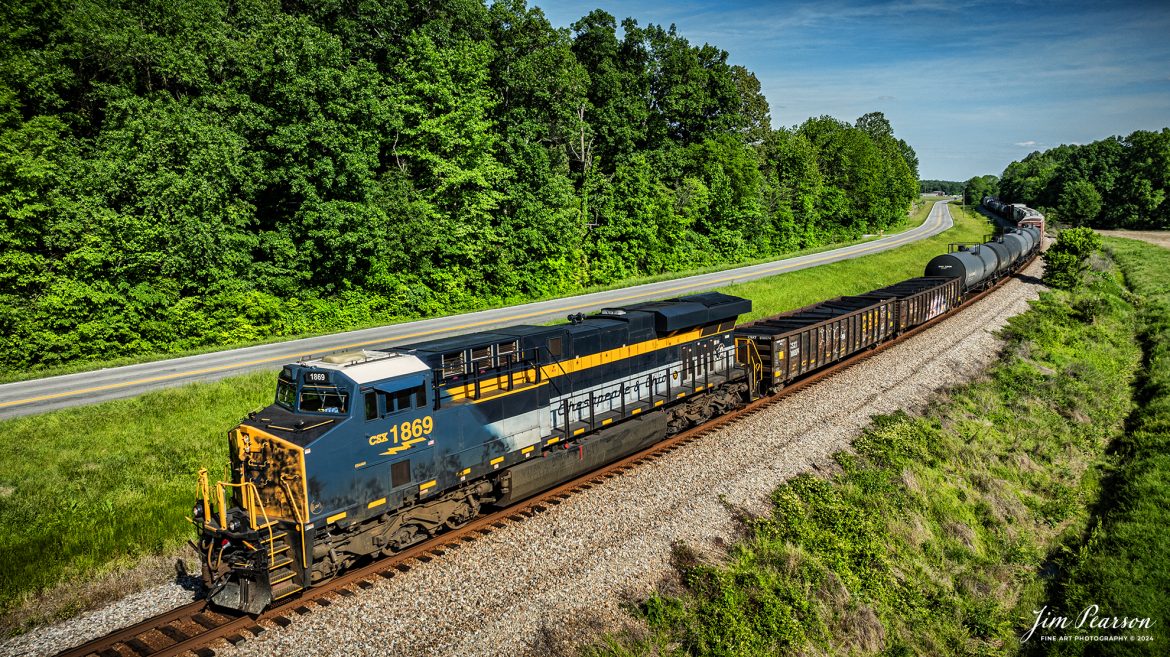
196, 626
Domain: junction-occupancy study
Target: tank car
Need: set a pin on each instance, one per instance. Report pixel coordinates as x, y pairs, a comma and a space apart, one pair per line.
977, 266
1018, 214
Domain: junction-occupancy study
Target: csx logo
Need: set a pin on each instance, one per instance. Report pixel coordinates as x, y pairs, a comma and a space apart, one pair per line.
408, 433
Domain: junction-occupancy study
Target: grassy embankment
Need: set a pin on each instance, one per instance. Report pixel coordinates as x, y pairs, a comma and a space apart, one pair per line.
1123, 565
942, 533
92, 490
916, 217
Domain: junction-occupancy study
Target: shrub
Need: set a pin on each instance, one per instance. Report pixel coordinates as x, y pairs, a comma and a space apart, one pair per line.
1066, 261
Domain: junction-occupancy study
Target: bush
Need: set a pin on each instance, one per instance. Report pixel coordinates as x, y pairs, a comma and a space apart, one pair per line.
1066, 261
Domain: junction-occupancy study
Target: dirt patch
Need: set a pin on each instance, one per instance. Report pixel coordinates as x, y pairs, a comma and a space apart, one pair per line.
1158, 237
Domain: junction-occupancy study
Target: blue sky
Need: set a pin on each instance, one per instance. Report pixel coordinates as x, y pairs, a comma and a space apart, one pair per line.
970, 85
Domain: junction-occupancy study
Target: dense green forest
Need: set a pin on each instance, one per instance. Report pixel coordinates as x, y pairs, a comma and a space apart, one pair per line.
176, 174
948, 187
1111, 183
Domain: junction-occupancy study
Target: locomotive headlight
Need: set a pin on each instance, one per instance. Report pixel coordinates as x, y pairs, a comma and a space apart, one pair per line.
197, 510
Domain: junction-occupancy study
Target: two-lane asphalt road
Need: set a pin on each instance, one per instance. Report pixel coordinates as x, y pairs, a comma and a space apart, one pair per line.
39, 395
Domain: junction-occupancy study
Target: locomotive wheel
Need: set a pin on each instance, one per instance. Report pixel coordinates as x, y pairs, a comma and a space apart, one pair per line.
406, 536
465, 516
456, 523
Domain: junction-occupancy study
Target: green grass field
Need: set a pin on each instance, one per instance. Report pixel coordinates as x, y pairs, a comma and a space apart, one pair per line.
1044, 483
800, 288
93, 489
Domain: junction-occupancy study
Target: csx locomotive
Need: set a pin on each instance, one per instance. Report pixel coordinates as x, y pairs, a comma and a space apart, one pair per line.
370, 452
367, 453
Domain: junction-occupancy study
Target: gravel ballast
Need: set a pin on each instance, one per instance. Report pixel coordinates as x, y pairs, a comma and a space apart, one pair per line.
540, 586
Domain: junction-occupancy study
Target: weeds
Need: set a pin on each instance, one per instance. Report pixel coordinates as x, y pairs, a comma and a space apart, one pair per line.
1122, 565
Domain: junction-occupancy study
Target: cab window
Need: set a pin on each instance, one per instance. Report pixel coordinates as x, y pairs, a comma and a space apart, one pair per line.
408, 398
286, 393
324, 399
371, 402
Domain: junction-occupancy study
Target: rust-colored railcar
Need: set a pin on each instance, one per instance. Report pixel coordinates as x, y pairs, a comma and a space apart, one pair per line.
798, 342
795, 343
921, 299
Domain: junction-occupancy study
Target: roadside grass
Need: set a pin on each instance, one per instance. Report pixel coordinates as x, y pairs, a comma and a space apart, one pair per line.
1123, 564
917, 216
918, 212
857, 275
90, 491
932, 537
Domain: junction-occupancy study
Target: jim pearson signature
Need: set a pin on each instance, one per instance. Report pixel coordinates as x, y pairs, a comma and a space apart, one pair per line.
1088, 618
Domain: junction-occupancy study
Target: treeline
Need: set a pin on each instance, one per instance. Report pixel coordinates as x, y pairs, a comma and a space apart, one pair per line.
181, 174
948, 187
1112, 183
979, 186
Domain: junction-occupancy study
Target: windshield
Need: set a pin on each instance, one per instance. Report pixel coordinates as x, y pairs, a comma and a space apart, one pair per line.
286, 393
324, 399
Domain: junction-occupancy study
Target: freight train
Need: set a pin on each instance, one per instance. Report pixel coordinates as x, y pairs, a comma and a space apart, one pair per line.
1016, 213
366, 453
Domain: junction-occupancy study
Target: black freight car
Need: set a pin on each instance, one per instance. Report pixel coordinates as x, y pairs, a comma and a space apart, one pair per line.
788, 346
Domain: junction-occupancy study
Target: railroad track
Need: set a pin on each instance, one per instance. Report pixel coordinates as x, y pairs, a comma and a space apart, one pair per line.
194, 628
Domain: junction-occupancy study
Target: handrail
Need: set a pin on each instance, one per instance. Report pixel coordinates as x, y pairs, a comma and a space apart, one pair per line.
752, 360
300, 521
292, 501
204, 491
552, 361
251, 500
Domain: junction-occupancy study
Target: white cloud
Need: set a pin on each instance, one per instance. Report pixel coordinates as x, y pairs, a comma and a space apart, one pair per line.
1026, 143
